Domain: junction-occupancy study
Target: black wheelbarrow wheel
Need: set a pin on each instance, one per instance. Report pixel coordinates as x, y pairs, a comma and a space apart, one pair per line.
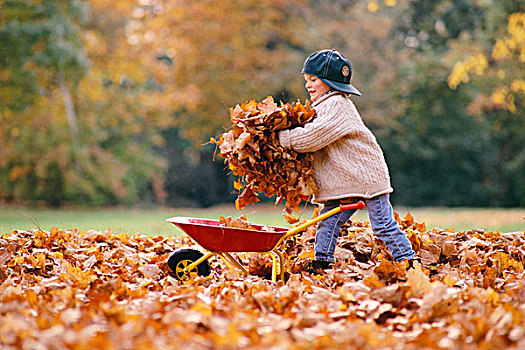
182, 258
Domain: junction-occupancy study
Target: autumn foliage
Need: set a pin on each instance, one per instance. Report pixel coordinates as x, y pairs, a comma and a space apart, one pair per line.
118, 91
254, 154
100, 290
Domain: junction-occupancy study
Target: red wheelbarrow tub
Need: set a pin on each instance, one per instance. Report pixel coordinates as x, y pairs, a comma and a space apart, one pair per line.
213, 236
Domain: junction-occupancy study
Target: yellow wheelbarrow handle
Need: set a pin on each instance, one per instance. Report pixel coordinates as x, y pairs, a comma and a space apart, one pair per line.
340, 208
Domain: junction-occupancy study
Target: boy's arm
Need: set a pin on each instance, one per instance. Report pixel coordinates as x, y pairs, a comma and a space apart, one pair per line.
328, 127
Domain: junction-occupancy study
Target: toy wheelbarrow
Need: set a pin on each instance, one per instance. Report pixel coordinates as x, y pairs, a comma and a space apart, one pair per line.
221, 241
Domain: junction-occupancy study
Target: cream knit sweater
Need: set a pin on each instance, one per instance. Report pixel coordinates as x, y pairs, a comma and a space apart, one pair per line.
348, 161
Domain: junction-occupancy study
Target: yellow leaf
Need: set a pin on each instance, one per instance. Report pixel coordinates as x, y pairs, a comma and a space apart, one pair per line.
449, 281
237, 185
307, 254
492, 297
123, 237
451, 229
374, 282
409, 219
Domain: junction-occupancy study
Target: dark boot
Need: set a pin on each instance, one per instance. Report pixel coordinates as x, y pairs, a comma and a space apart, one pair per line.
319, 266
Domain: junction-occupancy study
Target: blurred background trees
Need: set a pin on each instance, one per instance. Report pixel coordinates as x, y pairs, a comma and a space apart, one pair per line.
107, 103
459, 140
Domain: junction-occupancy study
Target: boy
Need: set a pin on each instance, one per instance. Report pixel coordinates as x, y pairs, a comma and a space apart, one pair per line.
348, 162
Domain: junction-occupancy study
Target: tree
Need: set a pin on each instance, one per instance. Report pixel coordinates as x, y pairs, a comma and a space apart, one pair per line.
208, 56
96, 147
103, 101
41, 54
467, 47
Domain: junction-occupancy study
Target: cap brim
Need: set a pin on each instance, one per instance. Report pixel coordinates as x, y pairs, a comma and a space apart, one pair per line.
348, 88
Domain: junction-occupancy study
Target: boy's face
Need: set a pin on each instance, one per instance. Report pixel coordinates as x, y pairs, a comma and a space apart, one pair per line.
315, 86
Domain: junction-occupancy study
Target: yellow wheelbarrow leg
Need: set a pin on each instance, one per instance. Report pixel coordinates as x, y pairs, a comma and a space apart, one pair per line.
274, 267
281, 263
274, 254
225, 260
228, 260
236, 263
232, 263
274, 264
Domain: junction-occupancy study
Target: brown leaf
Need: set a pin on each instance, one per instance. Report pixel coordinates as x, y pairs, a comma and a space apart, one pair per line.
254, 154
430, 255
151, 271
417, 280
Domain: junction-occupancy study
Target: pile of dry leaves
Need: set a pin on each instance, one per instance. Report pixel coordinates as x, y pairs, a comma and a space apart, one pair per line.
240, 222
254, 154
98, 290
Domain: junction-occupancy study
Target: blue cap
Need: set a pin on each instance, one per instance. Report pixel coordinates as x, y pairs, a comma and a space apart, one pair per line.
332, 68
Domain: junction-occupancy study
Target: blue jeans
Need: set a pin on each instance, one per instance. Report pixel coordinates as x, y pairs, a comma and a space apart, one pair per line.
383, 223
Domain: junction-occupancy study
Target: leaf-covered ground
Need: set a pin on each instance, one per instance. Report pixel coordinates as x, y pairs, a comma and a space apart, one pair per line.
66, 289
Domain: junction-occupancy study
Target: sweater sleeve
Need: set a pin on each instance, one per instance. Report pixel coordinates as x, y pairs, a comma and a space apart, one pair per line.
333, 122
284, 138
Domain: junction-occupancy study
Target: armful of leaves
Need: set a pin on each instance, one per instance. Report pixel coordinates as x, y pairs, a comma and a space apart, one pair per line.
254, 154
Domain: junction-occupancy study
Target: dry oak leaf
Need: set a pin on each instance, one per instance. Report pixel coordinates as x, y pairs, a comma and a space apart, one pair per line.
253, 153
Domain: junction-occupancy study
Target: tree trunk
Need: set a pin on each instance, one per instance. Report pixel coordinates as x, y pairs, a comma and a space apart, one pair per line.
71, 118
